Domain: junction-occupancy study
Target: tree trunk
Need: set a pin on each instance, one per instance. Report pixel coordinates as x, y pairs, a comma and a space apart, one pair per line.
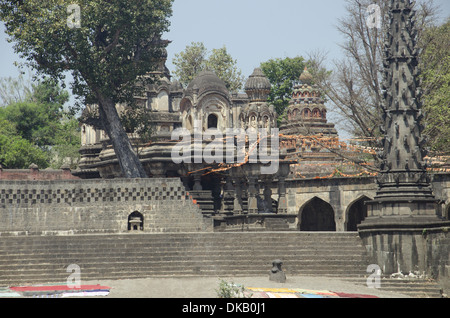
128, 160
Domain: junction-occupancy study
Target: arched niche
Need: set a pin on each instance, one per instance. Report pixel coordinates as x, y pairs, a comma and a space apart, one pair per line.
316, 113
161, 102
306, 113
212, 121
136, 221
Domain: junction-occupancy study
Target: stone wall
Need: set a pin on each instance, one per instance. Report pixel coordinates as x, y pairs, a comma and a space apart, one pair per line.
103, 205
411, 249
35, 174
341, 193
97, 206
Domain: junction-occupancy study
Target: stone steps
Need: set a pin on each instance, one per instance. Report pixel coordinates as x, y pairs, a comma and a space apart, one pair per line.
204, 200
45, 258
418, 288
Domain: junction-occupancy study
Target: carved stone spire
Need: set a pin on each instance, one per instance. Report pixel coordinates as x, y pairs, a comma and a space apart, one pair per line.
404, 209
403, 176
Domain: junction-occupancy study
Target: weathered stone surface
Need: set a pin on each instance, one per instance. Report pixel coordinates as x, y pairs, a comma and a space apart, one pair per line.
405, 230
97, 206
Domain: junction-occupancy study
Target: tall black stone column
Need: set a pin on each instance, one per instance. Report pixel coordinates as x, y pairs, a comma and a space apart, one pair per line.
404, 186
404, 207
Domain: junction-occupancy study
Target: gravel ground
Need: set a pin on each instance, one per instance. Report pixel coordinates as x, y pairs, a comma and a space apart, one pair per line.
205, 287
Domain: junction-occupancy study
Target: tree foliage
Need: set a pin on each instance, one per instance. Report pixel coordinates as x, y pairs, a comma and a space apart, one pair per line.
354, 86
282, 74
196, 58
17, 152
116, 44
435, 66
38, 130
190, 62
13, 90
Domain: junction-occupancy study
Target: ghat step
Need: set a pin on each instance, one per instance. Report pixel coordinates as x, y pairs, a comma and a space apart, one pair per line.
416, 287
45, 258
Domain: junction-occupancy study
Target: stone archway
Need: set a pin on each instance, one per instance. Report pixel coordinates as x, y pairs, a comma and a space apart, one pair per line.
356, 213
135, 221
317, 215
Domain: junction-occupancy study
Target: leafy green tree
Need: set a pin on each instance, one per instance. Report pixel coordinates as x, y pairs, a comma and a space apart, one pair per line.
108, 53
66, 144
26, 117
282, 74
225, 67
190, 62
435, 67
17, 152
37, 118
196, 58
14, 90
41, 120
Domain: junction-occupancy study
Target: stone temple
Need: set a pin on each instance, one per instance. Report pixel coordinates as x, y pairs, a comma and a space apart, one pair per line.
307, 113
206, 101
206, 218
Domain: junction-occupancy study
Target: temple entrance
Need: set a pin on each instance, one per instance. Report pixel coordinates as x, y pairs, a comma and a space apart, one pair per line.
356, 213
317, 215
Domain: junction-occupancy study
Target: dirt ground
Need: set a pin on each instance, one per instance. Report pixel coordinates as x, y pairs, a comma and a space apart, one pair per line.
206, 287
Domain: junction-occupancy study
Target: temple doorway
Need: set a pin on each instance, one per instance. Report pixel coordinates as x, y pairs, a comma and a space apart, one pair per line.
317, 215
356, 213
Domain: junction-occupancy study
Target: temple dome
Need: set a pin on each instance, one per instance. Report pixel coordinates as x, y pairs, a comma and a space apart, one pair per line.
258, 86
206, 82
306, 77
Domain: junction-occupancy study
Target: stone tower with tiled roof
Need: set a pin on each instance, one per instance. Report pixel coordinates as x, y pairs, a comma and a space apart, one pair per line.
307, 113
306, 132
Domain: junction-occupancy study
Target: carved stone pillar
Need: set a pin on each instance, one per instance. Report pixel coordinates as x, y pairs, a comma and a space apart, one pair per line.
228, 196
197, 182
268, 197
252, 200
237, 209
282, 201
